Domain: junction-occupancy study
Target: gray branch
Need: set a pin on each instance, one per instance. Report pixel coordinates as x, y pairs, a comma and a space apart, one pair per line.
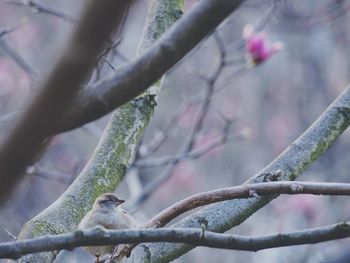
114, 154
194, 237
133, 79
57, 90
94, 101
287, 166
246, 191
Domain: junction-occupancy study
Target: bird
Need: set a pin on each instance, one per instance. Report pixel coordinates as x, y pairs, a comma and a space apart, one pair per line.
106, 212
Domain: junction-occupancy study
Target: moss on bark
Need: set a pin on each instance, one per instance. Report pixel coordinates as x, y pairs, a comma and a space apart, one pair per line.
115, 151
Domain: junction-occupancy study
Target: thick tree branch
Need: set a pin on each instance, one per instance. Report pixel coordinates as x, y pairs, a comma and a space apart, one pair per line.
287, 166
195, 237
243, 191
113, 155
128, 82
98, 21
133, 79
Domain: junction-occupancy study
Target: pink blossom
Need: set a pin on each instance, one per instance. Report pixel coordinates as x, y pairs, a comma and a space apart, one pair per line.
257, 45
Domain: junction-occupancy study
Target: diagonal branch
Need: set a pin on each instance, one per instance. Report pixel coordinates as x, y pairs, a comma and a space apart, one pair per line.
94, 101
21, 62
11, 52
287, 166
98, 21
40, 7
114, 153
133, 79
193, 154
186, 148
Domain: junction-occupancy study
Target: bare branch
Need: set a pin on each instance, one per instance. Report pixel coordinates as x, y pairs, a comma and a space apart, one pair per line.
49, 174
11, 52
134, 78
162, 135
188, 145
97, 23
114, 153
195, 237
194, 154
131, 80
12, 236
296, 18
290, 163
8, 118
242, 191
246, 191
38, 6
8, 30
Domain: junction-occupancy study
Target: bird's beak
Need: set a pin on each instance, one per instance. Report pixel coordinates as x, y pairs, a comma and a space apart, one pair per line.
120, 201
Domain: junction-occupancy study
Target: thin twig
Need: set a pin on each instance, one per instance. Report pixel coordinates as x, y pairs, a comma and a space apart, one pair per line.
44, 112
12, 236
9, 117
161, 136
49, 174
134, 78
11, 52
188, 145
38, 6
193, 154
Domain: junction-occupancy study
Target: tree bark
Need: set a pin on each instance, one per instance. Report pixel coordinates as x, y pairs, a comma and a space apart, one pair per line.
287, 166
114, 153
57, 90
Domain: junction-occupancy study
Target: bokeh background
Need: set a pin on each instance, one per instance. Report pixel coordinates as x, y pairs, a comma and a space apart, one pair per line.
272, 104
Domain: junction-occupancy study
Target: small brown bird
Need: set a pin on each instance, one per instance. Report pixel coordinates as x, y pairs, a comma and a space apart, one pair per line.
106, 212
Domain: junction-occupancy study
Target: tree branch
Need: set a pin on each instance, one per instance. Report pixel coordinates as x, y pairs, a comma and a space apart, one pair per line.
243, 191
20, 61
129, 81
42, 8
114, 153
186, 148
287, 166
195, 237
98, 21
133, 79
246, 191
193, 154
11, 52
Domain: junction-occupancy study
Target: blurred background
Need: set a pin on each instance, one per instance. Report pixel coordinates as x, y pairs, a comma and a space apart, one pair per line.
216, 130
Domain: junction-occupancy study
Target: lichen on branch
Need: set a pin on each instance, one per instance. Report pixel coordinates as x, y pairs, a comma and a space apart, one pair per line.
291, 163
114, 153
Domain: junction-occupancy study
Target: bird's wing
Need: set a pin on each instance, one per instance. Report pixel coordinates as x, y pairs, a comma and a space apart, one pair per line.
84, 223
131, 222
